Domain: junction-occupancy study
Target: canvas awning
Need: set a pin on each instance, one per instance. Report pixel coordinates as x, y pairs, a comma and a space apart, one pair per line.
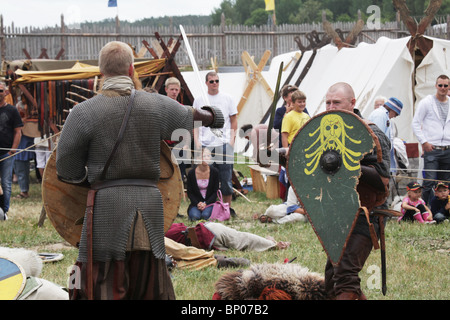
84, 71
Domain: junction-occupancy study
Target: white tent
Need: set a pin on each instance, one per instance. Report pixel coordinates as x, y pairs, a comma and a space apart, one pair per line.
384, 68
435, 63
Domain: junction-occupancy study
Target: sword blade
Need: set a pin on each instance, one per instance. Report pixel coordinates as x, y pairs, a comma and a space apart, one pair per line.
216, 132
273, 106
194, 65
383, 256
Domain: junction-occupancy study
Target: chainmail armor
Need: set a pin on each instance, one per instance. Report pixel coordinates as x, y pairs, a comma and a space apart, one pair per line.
87, 140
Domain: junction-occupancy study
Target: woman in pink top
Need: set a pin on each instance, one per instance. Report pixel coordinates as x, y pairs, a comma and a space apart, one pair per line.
202, 186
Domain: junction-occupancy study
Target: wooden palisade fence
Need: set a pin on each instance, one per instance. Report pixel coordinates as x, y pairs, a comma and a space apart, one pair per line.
223, 43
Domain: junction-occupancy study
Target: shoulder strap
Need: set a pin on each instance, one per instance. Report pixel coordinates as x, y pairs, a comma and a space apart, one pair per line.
121, 133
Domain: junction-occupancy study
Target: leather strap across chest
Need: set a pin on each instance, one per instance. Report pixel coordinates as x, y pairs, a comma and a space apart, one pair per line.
120, 136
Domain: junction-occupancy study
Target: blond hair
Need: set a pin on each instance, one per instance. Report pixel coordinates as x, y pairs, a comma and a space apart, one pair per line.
298, 95
115, 59
172, 80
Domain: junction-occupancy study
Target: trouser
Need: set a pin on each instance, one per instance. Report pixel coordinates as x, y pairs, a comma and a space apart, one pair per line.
436, 167
195, 213
412, 215
344, 278
22, 170
439, 217
2, 205
223, 159
189, 257
6, 173
229, 238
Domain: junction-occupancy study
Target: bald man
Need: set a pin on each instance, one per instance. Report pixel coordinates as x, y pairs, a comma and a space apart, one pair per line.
343, 282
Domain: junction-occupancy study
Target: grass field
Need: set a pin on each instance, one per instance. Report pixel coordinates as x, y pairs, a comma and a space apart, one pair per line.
417, 255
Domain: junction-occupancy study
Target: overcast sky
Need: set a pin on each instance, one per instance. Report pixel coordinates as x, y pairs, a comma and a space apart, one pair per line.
41, 13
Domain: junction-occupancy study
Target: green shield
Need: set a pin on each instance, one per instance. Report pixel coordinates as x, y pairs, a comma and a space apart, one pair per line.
324, 168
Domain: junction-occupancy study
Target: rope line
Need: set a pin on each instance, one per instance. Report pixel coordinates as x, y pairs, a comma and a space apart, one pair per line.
226, 156
26, 149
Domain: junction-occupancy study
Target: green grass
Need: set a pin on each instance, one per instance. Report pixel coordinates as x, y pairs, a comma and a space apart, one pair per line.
417, 255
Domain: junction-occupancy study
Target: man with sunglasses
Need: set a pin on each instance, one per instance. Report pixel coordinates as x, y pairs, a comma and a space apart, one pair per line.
10, 133
220, 142
431, 125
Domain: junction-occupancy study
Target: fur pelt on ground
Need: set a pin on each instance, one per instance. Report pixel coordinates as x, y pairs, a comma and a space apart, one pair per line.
27, 259
297, 281
32, 264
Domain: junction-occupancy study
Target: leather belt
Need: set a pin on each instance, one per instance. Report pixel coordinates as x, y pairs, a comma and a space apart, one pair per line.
124, 182
441, 147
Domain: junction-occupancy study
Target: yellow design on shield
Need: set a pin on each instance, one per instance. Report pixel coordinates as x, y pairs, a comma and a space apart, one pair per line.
333, 135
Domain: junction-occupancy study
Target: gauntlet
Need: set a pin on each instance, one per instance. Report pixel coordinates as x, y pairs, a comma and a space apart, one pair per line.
210, 117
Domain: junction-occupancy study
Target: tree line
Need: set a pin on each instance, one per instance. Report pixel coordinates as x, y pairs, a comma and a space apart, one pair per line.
253, 12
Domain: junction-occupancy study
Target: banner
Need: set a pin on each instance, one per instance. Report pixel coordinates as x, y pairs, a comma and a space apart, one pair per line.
270, 5
112, 3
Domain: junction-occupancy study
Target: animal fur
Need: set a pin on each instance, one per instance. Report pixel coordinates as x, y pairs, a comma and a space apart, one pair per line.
27, 259
32, 266
295, 280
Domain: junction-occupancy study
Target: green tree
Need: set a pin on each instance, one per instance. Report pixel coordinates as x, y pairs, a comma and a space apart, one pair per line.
244, 9
309, 12
306, 11
445, 8
258, 17
227, 8
338, 7
285, 8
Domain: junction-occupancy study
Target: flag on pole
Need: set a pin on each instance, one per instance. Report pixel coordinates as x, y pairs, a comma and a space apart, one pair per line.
112, 3
270, 5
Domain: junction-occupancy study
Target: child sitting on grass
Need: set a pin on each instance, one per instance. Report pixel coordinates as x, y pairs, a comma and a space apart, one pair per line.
440, 204
414, 207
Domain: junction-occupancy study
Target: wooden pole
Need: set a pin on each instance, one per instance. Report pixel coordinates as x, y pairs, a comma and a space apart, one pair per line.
224, 40
3, 41
274, 17
448, 27
63, 39
117, 28
275, 34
